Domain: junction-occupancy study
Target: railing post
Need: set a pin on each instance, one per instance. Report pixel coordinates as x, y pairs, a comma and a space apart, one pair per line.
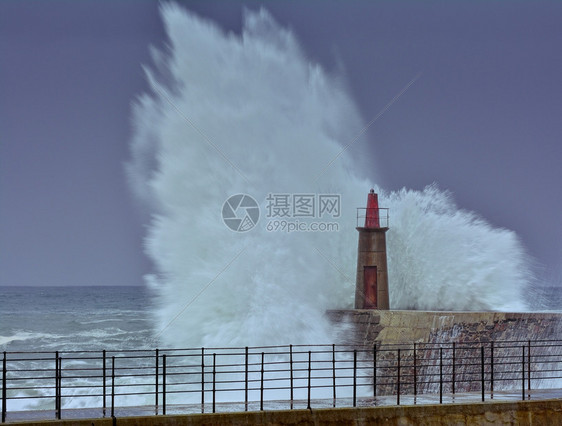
104, 379
453, 372
246, 380
164, 384
57, 390
214, 379
261, 383
291, 372
492, 369
398, 380
309, 378
355, 377
4, 389
60, 388
440, 375
415, 372
113, 386
202, 380
156, 369
375, 370
56, 384
334, 373
523, 373
482, 369
529, 366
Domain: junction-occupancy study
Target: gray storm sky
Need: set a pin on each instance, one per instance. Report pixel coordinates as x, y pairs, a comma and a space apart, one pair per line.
484, 120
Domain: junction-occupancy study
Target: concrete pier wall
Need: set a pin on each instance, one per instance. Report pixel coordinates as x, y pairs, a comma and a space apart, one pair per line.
364, 328
521, 413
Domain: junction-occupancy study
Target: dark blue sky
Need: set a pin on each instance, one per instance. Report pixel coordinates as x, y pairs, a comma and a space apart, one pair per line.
483, 120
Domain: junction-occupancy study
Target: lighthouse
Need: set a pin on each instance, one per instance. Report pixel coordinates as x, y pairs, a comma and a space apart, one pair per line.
371, 285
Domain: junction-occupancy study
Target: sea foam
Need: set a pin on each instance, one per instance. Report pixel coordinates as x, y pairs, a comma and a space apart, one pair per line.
248, 113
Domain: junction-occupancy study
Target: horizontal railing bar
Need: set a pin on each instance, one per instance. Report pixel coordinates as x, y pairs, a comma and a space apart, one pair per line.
197, 351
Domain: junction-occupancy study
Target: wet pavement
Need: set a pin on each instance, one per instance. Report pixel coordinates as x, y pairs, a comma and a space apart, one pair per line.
228, 407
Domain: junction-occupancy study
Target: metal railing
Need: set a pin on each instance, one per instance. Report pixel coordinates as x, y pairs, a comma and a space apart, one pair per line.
294, 376
380, 213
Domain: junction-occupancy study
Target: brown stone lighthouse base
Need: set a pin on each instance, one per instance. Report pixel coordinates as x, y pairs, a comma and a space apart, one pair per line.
371, 288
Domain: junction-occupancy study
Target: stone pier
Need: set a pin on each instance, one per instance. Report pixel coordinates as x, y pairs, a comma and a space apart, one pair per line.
364, 328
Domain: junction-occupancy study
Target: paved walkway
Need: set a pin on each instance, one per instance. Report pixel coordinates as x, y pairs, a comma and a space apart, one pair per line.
223, 407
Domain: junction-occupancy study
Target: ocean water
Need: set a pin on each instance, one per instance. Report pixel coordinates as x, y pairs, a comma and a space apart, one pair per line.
43, 320
81, 322
111, 318
74, 318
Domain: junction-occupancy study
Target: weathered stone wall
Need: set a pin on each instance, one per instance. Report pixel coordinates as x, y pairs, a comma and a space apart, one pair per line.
369, 327
470, 331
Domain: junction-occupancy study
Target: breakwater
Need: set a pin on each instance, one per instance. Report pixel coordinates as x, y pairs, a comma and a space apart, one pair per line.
365, 328
469, 351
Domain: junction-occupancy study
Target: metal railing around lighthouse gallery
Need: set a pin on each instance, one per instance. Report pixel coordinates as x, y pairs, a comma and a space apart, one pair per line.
380, 213
273, 377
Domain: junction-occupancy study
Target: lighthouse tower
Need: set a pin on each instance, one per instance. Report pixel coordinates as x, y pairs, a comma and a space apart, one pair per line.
371, 285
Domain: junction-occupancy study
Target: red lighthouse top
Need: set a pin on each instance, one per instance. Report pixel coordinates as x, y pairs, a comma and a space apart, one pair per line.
372, 216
